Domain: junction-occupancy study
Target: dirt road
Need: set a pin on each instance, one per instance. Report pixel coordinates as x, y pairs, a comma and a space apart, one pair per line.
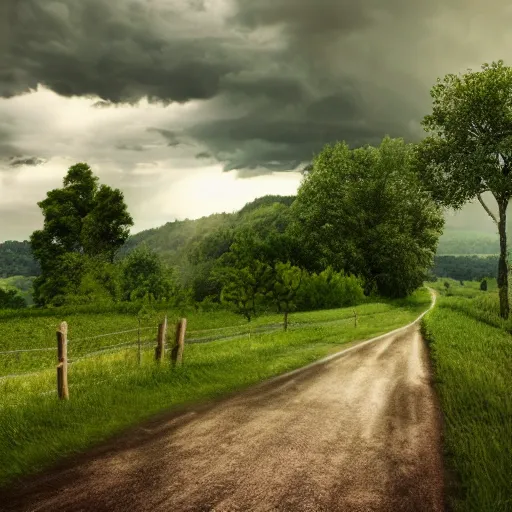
359, 433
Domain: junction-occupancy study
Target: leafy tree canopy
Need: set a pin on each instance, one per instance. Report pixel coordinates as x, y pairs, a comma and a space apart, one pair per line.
81, 219
364, 212
469, 148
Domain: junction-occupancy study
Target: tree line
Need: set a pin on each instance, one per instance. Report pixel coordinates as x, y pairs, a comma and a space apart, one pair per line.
369, 218
361, 224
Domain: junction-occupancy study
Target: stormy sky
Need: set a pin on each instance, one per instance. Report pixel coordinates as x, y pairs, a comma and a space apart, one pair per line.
196, 106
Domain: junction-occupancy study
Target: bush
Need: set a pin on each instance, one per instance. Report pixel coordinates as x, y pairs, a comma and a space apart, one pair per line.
483, 285
329, 290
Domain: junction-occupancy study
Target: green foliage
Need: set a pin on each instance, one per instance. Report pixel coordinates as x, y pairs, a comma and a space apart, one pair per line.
23, 285
242, 286
106, 226
329, 289
144, 275
469, 149
363, 211
81, 222
285, 282
16, 259
10, 299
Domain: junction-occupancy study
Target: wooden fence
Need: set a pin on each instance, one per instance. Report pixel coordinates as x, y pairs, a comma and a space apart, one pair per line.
62, 350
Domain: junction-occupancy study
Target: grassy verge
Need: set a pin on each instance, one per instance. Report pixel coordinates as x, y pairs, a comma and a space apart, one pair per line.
112, 392
472, 356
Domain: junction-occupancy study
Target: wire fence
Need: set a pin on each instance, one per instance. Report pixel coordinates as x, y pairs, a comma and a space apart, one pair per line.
19, 362
133, 343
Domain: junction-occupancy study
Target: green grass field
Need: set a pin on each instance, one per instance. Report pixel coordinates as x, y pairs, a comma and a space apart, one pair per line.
472, 356
111, 391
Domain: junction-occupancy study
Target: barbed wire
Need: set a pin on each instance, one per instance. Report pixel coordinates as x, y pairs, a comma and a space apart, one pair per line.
109, 334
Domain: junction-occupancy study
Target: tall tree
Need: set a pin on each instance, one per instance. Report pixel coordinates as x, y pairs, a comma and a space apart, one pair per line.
363, 211
469, 148
80, 219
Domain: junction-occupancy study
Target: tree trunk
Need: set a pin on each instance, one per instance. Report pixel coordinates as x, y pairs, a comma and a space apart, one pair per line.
286, 320
503, 262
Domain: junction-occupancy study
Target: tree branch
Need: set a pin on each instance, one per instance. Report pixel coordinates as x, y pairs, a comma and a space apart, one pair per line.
486, 208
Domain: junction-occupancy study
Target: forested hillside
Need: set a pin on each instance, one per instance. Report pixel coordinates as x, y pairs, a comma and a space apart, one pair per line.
175, 240
16, 260
466, 268
178, 243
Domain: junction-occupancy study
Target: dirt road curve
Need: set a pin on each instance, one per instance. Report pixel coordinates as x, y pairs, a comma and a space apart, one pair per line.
359, 433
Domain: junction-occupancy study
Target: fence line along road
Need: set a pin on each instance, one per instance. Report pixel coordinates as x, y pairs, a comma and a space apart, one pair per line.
161, 344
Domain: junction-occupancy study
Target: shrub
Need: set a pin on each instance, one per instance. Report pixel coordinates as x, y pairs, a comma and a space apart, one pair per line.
328, 290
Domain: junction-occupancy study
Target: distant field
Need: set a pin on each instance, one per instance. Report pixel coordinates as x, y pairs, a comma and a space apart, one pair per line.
472, 356
476, 255
111, 391
462, 242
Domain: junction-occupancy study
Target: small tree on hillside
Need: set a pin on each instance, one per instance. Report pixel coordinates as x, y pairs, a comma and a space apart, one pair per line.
144, 274
483, 285
240, 290
287, 282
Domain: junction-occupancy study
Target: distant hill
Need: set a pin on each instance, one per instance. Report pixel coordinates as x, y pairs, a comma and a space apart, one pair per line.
467, 232
174, 240
465, 242
16, 260
266, 201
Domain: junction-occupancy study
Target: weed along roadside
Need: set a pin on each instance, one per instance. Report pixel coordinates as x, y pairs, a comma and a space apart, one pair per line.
111, 391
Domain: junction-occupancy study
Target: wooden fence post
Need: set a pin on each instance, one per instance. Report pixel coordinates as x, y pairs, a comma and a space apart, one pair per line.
177, 351
355, 318
62, 367
160, 341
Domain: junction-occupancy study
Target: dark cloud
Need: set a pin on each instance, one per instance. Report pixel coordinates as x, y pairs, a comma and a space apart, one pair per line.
118, 51
276, 79
204, 155
103, 104
170, 136
130, 147
306, 18
18, 161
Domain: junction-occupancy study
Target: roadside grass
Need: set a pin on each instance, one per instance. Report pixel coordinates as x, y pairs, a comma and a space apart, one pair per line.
111, 392
472, 358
